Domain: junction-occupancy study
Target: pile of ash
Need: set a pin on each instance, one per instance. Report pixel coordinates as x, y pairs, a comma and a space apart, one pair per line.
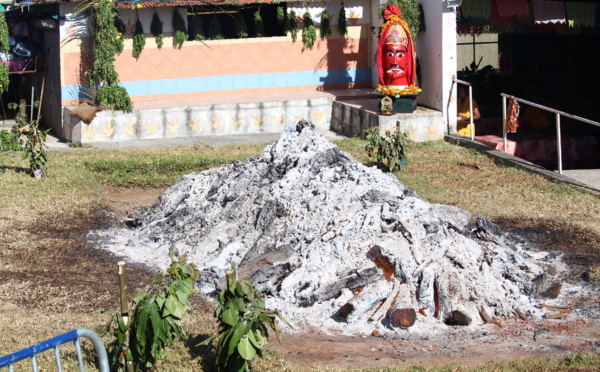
337, 245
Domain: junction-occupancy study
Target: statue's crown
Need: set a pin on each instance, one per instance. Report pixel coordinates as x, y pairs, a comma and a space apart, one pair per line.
396, 35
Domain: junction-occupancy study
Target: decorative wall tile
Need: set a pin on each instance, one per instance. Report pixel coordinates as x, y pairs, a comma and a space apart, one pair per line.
176, 122
151, 124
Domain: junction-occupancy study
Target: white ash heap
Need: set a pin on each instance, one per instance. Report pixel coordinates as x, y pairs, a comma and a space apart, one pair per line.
337, 245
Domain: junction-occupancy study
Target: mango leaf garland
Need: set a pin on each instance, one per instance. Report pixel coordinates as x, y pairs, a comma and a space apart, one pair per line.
156, 28
240, 26
139, 40
309, 34
343, 21
325, 25
281, 16
259, 28
293, 26
179, 28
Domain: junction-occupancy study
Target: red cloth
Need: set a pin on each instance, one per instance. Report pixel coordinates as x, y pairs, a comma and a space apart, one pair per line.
512, 116
391, 10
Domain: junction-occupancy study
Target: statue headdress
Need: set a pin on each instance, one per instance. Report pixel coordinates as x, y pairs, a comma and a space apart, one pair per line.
395, 31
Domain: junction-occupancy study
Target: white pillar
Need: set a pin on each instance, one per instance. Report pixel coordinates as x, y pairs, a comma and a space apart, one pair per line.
436, 51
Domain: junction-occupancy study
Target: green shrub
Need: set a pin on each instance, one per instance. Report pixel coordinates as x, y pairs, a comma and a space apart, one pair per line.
390, 148
155, 318
243, 321
31, 139
8, 142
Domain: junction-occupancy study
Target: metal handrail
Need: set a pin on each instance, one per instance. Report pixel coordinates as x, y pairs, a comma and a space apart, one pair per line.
558, 114
455, 80
55, 342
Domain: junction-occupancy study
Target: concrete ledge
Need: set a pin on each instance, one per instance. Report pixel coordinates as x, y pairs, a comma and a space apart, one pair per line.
352, 117
200, 120
509, 160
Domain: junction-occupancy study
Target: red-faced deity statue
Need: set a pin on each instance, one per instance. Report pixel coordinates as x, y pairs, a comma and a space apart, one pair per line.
396, 56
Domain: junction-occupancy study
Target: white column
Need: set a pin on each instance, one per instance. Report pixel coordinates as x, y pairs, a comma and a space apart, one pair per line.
436, 51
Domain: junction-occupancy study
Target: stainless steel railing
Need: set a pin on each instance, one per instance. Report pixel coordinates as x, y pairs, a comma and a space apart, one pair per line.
455, 80
558, 114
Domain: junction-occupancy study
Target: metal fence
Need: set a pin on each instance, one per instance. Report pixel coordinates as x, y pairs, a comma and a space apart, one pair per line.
54, 343
556, 112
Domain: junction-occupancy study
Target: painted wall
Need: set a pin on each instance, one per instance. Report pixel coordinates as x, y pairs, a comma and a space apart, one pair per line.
224, 67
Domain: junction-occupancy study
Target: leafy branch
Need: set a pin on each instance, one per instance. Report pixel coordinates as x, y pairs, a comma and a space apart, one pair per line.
155, 319
390, 148
28, 135
243, 322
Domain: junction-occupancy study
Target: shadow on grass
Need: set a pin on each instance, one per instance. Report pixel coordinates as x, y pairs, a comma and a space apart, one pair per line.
206, 353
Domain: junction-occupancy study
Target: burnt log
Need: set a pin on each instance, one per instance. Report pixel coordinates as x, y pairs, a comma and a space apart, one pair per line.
403, 318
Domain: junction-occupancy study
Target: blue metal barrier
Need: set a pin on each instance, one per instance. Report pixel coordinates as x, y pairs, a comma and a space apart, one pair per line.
74, 335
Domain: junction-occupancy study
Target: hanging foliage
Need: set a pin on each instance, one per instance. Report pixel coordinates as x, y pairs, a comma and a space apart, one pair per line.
240, 26
343, 21
325, 25
309, 33
157, 29
120, 26
215, 29
179, 28
4, 80
198, 29
293, 25
281, 16
102, 71
139, 40
259, 28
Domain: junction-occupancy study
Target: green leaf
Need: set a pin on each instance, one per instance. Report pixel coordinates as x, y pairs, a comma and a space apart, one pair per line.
174, 308
230, 317
238, 332
160, 299
257, 339
245, 348
138, 295
182, 297
247, 289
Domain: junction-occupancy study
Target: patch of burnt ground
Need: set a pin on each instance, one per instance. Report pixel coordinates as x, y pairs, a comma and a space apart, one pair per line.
579, 247
60, 258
